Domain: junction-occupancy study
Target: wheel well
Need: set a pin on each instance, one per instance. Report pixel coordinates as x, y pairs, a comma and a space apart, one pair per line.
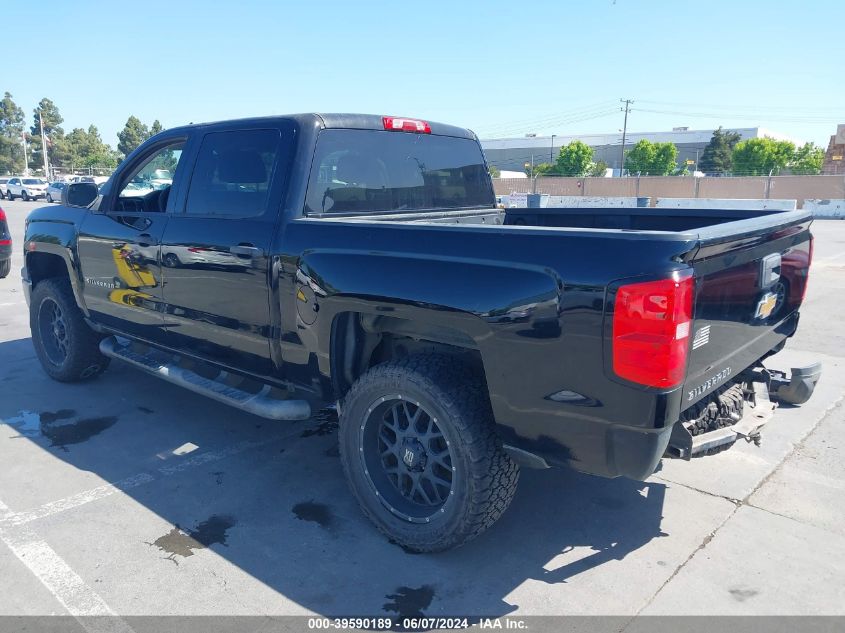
360, 341
41, 266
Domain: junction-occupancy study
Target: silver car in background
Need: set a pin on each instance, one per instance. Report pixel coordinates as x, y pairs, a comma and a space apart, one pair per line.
54, 191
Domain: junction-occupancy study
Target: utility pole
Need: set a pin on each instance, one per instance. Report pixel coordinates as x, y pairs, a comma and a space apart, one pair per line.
627, 103
552, 151
25, 159
44, 146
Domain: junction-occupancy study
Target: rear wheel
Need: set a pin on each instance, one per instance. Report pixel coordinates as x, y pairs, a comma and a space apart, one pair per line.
5, 268
49, 198
420, 453
68, 349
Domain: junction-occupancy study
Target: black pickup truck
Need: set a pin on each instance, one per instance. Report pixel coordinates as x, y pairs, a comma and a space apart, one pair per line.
287, 264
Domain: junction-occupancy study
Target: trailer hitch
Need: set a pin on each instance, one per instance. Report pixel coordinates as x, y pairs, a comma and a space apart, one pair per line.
797, 387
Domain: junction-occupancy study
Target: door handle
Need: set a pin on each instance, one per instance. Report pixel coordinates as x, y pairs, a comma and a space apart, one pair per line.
245, 249
145, 240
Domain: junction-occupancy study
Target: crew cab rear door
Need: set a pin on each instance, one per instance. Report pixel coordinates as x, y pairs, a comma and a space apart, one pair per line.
215, 249
119, 244
751, 277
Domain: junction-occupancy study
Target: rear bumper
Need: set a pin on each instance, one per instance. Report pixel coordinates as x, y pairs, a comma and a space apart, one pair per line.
767, 388
620, 451
634, 452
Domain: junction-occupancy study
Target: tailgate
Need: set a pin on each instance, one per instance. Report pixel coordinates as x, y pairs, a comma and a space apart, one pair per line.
750, 280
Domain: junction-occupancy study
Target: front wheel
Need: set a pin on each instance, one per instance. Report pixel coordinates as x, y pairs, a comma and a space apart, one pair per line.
421, 455
68, 349
49, 198
25, 196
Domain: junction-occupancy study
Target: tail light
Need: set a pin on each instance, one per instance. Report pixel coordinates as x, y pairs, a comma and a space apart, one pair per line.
3, 241
396, 124
651, 328
809, 264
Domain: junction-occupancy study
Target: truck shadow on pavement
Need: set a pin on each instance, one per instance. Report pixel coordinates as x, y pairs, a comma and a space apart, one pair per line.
269, 498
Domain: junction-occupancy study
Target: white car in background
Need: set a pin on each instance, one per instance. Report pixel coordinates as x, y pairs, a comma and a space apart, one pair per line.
26, 187
4, 181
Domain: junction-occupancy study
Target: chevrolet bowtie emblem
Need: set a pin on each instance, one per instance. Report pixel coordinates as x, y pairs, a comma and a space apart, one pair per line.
766, 306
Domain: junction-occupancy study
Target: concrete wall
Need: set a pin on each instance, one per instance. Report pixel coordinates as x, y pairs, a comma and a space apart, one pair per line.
751, 188
724, 203
826, 208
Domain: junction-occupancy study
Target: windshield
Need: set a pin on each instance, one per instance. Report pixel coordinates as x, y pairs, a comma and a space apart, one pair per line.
34, 181
358, 171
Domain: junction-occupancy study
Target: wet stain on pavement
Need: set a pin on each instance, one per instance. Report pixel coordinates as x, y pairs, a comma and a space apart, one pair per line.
48, 417
61, 435
741, 595
410, 602
218, 476
314, 512
179, 542
146, 410
326, 424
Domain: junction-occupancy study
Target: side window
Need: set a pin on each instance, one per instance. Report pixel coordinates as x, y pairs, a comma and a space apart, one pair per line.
233, 173
147, 186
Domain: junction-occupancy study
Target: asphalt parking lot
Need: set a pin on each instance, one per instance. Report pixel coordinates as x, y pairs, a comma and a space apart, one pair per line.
131, 496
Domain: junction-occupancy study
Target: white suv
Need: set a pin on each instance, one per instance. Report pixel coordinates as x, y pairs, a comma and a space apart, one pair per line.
26, 188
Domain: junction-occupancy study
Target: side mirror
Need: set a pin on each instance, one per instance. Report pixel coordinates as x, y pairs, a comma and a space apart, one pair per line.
79, 194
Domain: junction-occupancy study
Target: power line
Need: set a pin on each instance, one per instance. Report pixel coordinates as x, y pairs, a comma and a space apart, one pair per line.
545, 122
753, 117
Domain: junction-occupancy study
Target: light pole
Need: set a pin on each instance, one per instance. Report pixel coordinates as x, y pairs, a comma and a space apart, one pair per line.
25, 160
552, 150
44, 147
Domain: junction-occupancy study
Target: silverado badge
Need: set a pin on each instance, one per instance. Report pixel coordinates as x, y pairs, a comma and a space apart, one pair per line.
766, 305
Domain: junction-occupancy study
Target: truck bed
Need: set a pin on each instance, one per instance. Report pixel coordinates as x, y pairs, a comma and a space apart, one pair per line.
543, 282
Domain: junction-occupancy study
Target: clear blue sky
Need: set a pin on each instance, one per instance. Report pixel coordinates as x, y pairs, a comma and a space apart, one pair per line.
499, 67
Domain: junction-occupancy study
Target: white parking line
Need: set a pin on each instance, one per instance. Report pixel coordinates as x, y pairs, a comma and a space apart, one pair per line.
13, 519
74, 501
62, 582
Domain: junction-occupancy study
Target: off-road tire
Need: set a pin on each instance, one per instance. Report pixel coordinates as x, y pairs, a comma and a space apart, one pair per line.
83, 360
457, 396
5, 268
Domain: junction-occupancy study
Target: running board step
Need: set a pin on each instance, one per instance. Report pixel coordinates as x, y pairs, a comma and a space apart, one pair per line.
219, 388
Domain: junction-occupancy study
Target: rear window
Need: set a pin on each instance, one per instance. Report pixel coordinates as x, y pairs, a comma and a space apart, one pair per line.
359, 171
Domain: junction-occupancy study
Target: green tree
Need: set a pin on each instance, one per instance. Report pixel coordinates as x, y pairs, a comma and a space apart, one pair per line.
651, 159
49, 113
86, 149
598, 169
540, 169
717, 156
493, 171
11, 130
155, 128
807, 159
574, 159
132, 135
665, 159
761, 156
